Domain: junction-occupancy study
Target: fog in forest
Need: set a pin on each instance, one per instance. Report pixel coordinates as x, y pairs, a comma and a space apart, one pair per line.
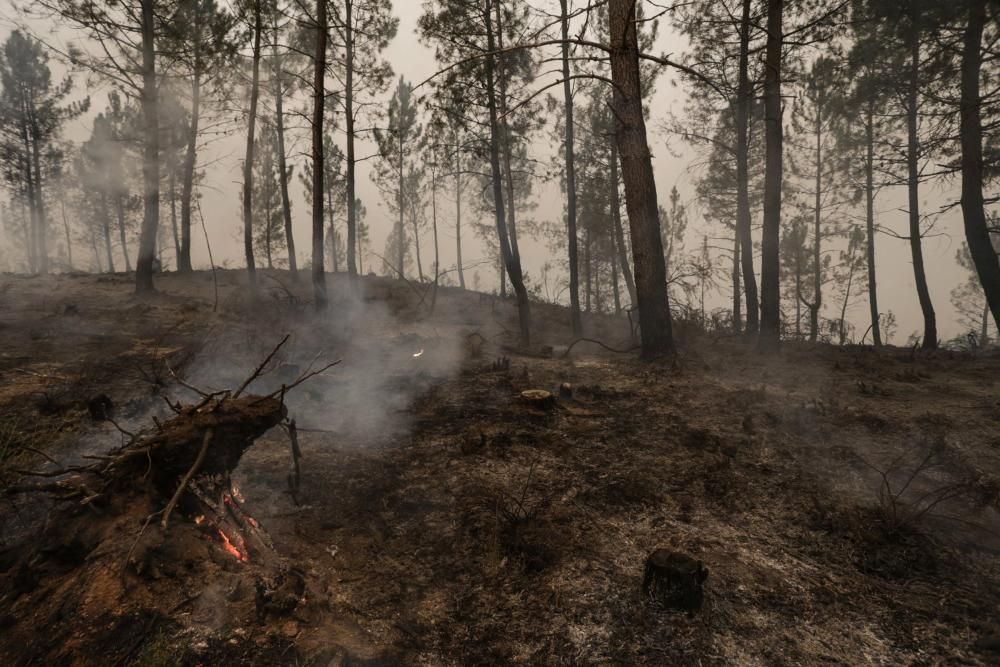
678, 163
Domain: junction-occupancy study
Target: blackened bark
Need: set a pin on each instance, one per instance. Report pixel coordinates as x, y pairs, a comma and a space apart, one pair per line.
913, 184
458, 214
616, 217
770, 304
150, 154
574, 268
319, 98
743, 222
640, 185
120, 210
870, 221
817, 302
977, 233
248, 156
190, 158
352, 224
510, 261
106, 224
279, 119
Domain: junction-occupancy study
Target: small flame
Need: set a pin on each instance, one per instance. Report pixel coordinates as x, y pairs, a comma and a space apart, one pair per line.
233, 551
200, 519
418, 354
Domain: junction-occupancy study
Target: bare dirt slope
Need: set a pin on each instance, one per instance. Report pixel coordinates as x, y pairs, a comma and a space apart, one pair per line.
843, 499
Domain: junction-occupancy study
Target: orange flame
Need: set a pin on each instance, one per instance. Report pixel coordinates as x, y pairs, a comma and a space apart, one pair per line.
233, 551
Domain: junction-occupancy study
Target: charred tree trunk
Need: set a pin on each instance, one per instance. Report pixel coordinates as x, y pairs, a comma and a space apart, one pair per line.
770, 312
913, 186
120, 210
743, 223
173, 213
279, 119
249, 154
42, 245
640, 185
69, 240
400, 224
574, 269
319, 98
334, 261
737, 290
458, 215
817, 302
190, 158
106, 220
352, 221
150, 153
511, 261
977, 233
870, 221
616, 218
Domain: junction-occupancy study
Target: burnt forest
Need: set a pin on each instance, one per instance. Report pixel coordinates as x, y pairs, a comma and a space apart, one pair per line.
499, 332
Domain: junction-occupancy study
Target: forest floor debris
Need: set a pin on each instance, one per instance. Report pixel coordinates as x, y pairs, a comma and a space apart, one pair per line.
467, 526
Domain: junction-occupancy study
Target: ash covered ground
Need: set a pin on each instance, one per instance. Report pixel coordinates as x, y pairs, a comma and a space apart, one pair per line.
843, 499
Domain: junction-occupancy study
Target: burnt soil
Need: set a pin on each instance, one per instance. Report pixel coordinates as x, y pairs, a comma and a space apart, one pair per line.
843, 499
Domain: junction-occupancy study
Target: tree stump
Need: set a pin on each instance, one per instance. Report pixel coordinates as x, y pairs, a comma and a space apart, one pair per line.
538, 398
673, 580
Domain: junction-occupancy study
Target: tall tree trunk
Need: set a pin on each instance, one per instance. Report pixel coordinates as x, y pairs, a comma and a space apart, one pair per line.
743, 221
319, 98
249, 154
574, 269
150, 153
770, 306
434, 227
817, 301
616, 218
43, 245
870, 221
400, 228
506, 138
640, 185
587, 276
843, 306
511, 261
737, 289
913, 185
31, 240
984, 327
191, 156
106, 217
173, 210
267, 235
279, 118
120, 210
353, 267
616, 289
96, 249
977, 233
69, 241
458, 214
416, 246
334, 261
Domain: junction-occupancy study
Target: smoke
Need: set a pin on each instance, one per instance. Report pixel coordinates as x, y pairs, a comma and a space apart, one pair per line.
387, 359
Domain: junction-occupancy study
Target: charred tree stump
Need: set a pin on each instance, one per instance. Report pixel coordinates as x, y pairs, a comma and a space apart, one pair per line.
673, 580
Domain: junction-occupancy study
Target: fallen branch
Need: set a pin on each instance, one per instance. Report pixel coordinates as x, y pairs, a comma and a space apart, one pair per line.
260, 368
597, 342
187, 478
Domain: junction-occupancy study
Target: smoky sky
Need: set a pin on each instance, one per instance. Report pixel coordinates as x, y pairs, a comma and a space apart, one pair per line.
675, 164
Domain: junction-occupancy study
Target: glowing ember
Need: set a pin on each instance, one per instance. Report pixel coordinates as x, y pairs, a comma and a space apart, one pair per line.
418, 354
200, 519
233, 551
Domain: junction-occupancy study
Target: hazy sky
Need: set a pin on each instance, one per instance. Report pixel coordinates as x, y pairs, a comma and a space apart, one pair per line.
415, 62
